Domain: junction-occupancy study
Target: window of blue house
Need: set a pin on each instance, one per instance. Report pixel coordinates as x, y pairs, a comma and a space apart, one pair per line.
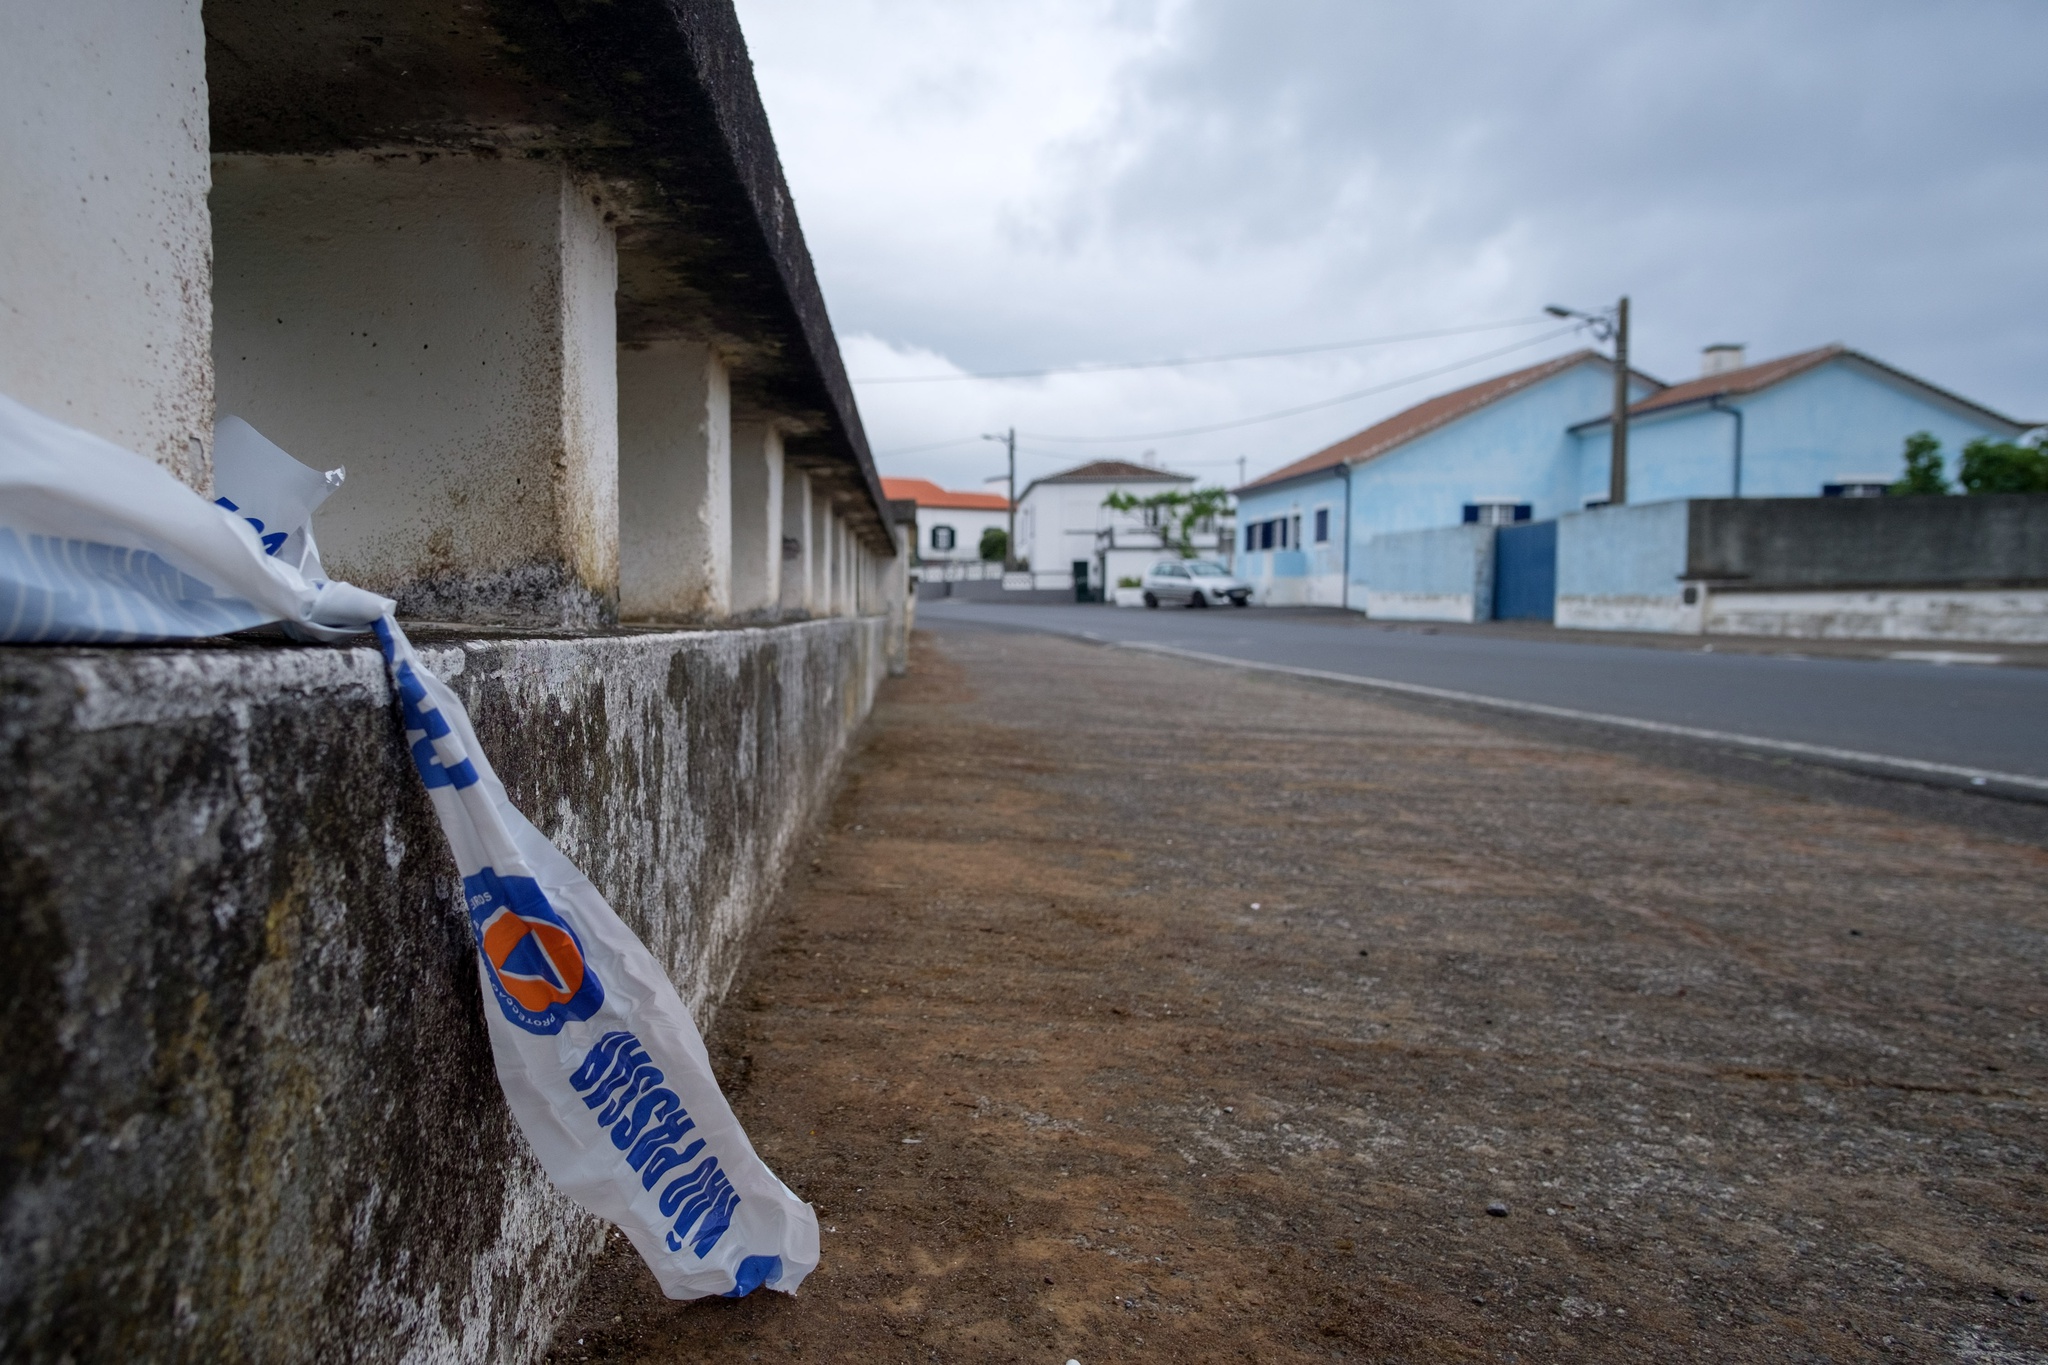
1251, 536
1496, 513
1265, 535
1322, 525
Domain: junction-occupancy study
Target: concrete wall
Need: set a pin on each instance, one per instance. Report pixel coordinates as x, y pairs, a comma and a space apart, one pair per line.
1956, 568
105, 253
1984, 541
249, 1108
1985, 616
1620, 568
1443, 574
444, 329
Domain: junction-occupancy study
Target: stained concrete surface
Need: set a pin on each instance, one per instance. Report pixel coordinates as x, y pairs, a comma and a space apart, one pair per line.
1132, 1010
247, 1105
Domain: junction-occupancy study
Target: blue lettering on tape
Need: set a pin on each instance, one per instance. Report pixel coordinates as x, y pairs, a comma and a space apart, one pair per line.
647, 1121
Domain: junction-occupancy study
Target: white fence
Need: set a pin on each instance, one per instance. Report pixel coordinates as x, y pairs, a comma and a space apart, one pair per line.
958, 571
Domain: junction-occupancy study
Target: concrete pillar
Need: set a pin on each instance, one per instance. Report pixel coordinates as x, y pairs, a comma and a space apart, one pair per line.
845, 597
821, 554
756, 519
675, 482
898, 601
444, 328
105, 250
796, 539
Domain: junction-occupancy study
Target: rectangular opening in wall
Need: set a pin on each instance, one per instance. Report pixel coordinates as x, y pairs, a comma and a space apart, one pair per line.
1496, 512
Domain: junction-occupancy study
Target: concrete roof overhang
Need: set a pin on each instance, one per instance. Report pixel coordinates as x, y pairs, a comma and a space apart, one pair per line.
654, 100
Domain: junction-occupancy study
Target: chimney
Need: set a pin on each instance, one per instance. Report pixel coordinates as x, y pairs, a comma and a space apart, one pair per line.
1721, 357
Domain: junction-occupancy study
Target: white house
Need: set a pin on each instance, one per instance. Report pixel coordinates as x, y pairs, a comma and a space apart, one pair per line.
950, 524
1062, 525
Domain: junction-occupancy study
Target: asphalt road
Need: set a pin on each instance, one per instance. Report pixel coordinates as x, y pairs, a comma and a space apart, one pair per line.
1972, 719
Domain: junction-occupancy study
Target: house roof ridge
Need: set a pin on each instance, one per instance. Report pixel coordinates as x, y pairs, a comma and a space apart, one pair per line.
1431, 414
1766, 374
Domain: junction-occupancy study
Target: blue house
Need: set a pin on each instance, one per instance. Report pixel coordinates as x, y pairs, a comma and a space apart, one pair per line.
1829, 422
1501, 450
1532, 445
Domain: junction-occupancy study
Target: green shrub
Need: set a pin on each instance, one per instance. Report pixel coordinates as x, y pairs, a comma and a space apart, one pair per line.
1128, 582
2005, 466
995, 544
1923, 467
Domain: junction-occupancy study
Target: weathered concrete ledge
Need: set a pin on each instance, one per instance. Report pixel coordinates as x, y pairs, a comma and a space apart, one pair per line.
247, 1110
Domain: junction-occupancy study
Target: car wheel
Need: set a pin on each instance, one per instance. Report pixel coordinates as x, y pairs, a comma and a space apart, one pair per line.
1198, 598
1151, 601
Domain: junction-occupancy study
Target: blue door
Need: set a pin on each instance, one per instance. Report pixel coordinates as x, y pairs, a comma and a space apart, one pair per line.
1525, 572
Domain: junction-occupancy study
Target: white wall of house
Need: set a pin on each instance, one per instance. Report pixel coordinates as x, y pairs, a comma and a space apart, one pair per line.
445, 330
105, 247
1057, 521
967, 525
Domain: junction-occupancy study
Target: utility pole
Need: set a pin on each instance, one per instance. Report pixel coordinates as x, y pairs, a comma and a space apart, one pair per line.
1610, 326
1617, 466
1009, 440
1240, 471
1010, 543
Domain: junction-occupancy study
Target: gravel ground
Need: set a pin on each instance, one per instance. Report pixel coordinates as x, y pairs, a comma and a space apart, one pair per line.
1129, 1009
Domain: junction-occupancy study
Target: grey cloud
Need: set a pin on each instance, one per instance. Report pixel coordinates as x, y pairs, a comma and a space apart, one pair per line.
1778, 173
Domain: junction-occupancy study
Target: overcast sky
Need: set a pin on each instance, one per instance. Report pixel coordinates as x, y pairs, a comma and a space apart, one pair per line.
997, 187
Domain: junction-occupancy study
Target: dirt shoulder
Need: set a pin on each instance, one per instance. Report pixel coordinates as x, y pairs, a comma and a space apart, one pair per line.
1133, 1010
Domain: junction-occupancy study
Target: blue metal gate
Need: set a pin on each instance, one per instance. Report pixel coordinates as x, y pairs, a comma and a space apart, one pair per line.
1525, 572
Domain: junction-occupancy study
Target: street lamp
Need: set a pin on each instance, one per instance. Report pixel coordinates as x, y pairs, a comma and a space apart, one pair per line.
1610, 324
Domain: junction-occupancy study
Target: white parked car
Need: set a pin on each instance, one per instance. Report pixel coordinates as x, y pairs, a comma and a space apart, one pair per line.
1194, 583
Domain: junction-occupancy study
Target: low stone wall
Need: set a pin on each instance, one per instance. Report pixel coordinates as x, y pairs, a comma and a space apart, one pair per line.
247, 1107
1620, 568
1957, 568
1444, 573
2013, 616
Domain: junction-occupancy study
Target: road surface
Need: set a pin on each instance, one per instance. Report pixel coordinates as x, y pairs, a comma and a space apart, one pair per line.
1957, 723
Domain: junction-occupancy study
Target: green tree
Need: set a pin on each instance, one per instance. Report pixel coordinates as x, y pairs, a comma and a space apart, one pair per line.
2005, 466
1923, 466
995, 544
1176, 514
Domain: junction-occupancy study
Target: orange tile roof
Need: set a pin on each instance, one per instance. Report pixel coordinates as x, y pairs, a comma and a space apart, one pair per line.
925, 493
1748, 379
1425, 417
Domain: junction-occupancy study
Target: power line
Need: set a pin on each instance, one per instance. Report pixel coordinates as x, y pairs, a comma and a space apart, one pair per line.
935, 445
1109, 366
1307, 407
